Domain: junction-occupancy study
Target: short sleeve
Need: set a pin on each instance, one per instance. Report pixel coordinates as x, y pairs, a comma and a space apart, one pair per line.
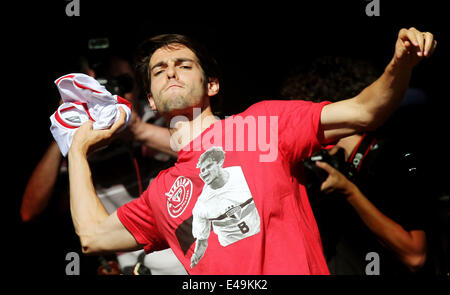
200, 225
138, 218
298, 127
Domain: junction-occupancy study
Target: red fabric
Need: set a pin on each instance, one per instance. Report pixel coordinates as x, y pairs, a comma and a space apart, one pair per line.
61, 121
84, 87
64, 77
124, 101
288, 241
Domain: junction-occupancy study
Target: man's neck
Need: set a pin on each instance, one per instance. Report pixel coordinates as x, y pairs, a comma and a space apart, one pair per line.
183, 129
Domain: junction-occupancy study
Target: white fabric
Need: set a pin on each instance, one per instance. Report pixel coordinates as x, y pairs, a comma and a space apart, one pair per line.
83, 98
239, 221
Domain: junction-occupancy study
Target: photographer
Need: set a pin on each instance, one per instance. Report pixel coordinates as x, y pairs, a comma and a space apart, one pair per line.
382, 211
374, 202
141, 151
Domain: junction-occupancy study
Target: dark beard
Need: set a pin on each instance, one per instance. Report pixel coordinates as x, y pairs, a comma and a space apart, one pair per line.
177, 103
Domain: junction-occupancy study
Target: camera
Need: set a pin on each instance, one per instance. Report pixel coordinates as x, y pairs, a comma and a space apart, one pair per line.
99, 58
119, 85
315, 175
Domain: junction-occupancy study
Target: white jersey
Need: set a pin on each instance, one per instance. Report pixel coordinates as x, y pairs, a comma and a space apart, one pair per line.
83, 98
230, 209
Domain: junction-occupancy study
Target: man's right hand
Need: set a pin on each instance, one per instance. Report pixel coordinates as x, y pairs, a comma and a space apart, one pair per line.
86, 139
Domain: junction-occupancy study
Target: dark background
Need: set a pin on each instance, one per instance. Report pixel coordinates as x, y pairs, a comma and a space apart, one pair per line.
256, 44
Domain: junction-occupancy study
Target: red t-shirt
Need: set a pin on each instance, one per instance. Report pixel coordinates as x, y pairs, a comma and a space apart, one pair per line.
260, 221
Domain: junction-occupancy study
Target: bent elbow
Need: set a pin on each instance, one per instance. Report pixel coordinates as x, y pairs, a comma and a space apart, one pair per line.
88, 247
86, 250
85, 247
416, 262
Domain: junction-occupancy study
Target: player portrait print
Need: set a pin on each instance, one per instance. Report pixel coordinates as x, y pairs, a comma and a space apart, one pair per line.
225, 203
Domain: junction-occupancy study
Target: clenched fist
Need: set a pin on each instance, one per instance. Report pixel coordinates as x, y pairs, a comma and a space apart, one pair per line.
413, 45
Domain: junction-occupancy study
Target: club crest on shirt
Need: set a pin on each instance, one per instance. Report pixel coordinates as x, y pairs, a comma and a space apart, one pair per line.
179, 196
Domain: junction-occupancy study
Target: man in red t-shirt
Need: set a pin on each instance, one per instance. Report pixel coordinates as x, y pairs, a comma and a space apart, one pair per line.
265, 142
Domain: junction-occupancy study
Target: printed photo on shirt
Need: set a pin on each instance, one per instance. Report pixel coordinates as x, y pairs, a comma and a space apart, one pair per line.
225, 204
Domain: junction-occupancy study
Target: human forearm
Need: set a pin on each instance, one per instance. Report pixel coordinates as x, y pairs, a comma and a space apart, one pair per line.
370, 108
380, 99
40, 186
408, 246
86, 208
99, 232
383, 96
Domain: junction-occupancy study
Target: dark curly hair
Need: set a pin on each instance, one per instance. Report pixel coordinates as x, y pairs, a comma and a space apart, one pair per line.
330, 78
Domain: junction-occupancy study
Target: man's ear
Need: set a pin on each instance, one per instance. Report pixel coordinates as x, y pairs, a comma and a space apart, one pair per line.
151, 101
213, 86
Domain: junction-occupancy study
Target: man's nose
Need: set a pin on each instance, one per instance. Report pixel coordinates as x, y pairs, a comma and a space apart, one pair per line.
171, 72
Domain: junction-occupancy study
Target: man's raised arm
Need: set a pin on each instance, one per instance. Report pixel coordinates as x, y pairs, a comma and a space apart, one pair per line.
99, 232
369, 109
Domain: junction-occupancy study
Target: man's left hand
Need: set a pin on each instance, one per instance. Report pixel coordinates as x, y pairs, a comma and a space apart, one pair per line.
413, 45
